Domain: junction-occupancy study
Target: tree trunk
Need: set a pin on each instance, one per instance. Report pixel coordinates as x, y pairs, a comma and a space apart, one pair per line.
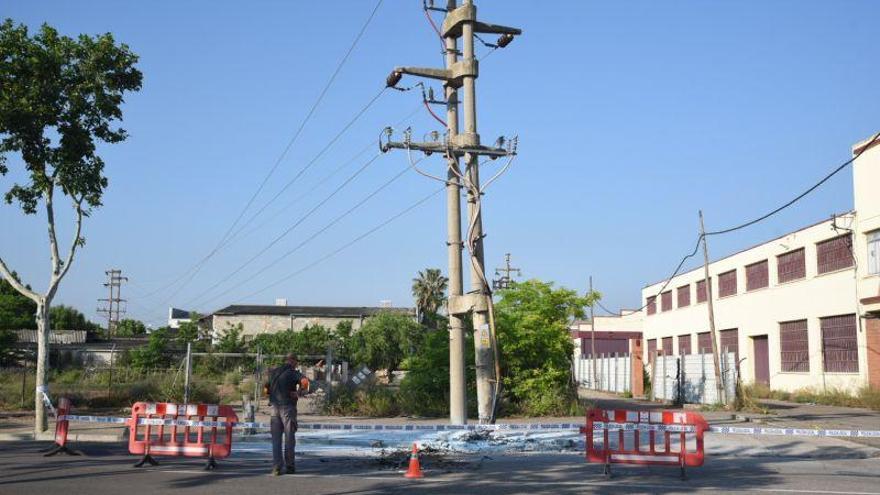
40, 419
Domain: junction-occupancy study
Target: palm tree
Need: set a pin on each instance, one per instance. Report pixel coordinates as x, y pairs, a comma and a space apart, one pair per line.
429, 291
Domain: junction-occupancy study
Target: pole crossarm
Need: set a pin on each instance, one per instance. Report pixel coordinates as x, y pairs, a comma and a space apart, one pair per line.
429, 148
453, 76
467, 13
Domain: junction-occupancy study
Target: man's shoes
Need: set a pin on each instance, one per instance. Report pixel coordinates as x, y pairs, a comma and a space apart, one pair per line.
276, 471
291, 469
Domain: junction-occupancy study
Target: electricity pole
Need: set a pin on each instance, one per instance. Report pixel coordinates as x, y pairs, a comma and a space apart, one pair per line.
113, 308
719, 382
505, 282
461, 22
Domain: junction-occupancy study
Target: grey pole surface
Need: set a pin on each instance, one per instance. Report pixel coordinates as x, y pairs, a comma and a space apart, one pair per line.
483, 356
457, 385
719, 381
188, 373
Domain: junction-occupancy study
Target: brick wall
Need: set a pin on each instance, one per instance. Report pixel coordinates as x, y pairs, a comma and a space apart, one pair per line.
872, 327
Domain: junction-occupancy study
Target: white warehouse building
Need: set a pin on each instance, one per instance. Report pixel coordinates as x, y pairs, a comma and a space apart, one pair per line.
800, 311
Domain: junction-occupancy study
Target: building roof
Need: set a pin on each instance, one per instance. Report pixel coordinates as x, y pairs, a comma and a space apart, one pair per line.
325, 311
753, 246
180, 314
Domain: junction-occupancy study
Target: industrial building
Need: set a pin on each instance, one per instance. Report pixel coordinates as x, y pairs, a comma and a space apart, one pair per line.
799, 311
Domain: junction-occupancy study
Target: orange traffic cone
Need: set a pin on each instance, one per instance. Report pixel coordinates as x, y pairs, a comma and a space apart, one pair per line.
415, 469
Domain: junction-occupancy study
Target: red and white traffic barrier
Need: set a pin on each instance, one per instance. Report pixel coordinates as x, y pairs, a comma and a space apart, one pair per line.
668, 438
148, 436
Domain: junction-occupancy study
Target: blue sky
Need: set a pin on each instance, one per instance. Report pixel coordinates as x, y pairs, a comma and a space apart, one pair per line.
631, 117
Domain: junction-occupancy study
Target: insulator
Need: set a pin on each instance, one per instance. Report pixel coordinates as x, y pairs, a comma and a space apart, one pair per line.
393, 78
504, 40
430, 94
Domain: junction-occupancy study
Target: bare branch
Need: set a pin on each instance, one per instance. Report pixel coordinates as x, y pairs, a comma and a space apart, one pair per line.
75, 243
7, 274
53, 240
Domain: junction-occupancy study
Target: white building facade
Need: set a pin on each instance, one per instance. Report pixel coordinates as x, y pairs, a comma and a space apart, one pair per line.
800, 311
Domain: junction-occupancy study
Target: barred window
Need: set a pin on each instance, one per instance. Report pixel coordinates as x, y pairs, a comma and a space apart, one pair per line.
834, 254
729, 339
684, 296
791, 266
840, 352
701, 290
794, 346
684, 344
652, 347
666, 301
667, 346
652, 305
704, 343
873, 253
727, 283
757, 275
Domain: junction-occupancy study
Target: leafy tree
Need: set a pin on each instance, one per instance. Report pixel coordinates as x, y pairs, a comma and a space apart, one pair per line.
532, 323
231, 340
63, 317
16, 311
342, 339
153, 354
429, 291
130, 328
312, 339
385, 340
59, 97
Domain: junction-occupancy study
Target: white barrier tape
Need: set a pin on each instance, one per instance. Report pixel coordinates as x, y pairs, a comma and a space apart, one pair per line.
325, 426
793, 432
643, 427
347, 427
47, 401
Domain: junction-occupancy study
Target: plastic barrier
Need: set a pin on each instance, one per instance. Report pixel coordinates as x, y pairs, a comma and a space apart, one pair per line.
61, 426
679, 443
166, 429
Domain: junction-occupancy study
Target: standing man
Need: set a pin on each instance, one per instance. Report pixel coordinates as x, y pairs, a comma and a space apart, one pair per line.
285, 386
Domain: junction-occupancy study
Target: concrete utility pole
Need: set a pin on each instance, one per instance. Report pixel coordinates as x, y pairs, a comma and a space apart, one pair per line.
461, 22
114, 308
505, 281
719, 380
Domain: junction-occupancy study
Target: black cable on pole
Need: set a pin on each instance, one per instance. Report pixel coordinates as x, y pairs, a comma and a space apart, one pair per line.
350, 243
603, 308
675, 272
800, 196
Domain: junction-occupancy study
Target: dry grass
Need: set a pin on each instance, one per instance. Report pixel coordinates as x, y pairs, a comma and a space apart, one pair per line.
866, 397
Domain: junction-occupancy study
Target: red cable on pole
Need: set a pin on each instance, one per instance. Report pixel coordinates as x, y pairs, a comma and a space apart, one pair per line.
428, 107
436, 30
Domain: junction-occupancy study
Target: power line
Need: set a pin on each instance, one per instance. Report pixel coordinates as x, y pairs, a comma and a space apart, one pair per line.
281, 157
800, 196
312, 237
298, 222
348, 244
764, 217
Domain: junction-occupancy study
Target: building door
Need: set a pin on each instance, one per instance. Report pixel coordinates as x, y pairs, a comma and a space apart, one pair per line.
762, 359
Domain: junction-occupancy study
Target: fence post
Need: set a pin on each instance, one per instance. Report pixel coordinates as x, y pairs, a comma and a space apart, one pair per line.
616, 371
328, 372
702, 377
188, 375
724, 369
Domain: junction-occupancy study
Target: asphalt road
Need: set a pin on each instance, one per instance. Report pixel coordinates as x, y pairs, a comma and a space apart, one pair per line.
107, 469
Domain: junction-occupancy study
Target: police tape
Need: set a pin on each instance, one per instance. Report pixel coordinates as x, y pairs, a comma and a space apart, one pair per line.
320, 426
793, 432
597, 426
